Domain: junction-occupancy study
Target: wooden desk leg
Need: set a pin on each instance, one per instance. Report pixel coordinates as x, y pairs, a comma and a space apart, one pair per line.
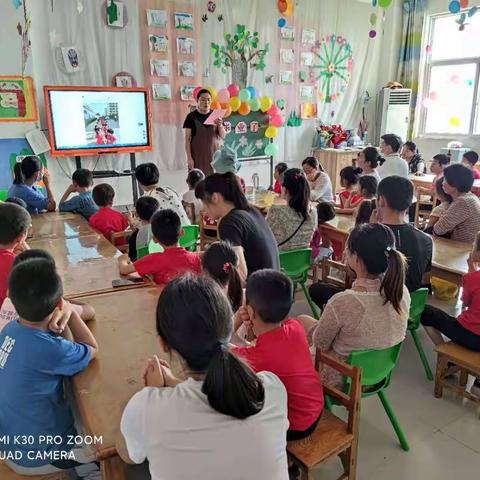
441, 366
114, 468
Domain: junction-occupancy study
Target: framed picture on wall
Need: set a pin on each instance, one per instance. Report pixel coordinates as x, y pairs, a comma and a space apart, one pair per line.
287, 33
159, 68
161, 91
183, 21
186, 92
158, 43
306, 92
157, 18
306, 58
71, 59
308, 36
185, 45
285, 77
187, 68
287, 55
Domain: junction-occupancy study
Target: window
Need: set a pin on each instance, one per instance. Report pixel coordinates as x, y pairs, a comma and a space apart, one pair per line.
450, 103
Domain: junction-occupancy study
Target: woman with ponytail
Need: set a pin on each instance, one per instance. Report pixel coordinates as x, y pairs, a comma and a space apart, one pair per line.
198, 426
373, 314
293, 224
26, 174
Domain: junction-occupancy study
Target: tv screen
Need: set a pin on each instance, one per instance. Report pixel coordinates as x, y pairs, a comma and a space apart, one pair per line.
92, 120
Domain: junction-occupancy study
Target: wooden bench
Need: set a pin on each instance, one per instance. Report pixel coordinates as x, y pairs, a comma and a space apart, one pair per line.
7, 474
452, 358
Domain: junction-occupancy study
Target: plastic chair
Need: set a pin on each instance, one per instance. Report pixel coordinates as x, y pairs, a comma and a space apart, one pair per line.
418, 302
296, 264
3, 195
141, 252
190, 237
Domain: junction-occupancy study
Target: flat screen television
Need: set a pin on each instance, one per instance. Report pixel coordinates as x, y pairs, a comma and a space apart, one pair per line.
93, 120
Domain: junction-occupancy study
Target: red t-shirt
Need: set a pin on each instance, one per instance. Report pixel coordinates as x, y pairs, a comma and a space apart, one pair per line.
284, 352
167, 265
470, 318
345, 195
277, 188
476, 173
108, 221
6, 261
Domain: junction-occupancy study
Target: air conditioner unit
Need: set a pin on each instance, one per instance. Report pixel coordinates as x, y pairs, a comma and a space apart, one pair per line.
393, 112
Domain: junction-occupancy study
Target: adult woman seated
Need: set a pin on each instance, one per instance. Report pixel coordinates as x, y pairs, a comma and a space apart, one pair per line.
319, 181
414, 160
293, 224
368, 160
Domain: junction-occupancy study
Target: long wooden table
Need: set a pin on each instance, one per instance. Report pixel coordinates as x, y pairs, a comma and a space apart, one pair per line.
426, 180
54, 225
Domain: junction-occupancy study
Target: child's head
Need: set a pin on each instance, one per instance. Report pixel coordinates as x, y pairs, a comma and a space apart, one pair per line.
221, 263
368, 186
31, 254
103, 195
82, 178
15, 222
194, 176
146, 207
166, 227
17, 201
225, 160
269, 296
279, 169
395, 193
325, 212
194, 320
442, 195
439, 162
297, 191
370, 157
470, 158
457, 179
35, 289
364, 212
147, 174
29, 169
371, 250
349, 176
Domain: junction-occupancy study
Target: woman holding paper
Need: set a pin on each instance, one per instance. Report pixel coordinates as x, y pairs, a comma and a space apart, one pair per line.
201, 140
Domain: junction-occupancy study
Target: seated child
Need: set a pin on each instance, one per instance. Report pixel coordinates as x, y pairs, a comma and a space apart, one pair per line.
7, 310
35, 359
368, 186
470, 159
174, 261
82, 182
440, 210
280, 169
107, 220
140, 238
322, 247
193, 178
349, 197
224, 161
364, 211
281, 348
14, 224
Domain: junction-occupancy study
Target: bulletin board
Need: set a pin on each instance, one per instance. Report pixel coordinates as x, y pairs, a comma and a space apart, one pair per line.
17, 99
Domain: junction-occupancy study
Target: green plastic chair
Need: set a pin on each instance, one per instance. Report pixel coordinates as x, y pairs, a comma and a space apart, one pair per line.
189, 240
296, 264
377, 367
141, 252
418, 302
3, 195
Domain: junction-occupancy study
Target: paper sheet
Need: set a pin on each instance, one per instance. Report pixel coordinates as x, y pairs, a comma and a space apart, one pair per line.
215, 115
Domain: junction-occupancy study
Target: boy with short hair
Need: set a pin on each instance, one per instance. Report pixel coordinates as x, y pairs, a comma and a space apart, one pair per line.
140, 238
14, 224
82, 182
281, 348
470, 159
106, 220
174, 261
34, 360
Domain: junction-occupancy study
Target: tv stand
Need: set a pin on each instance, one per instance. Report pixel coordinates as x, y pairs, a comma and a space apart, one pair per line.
116, 174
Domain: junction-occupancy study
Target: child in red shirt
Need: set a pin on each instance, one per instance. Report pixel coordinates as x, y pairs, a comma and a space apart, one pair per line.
106, 220
14, 224
350, 197
281, 348
174, 261
278, 176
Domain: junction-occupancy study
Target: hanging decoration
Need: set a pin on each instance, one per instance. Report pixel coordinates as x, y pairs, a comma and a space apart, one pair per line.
455, 6
332, 67
112, 12
17, 4
23, 31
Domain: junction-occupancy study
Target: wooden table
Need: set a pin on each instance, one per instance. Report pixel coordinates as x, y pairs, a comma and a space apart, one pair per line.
425, 181
53, 225
124, 327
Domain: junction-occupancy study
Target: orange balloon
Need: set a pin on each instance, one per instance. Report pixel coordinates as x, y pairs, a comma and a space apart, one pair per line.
225, 105
244, 108
215, 105
228, 109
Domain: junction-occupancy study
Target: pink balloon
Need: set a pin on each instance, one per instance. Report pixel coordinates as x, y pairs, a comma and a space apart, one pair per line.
233, 90
195, 92
223, 95
276, 121
274, 110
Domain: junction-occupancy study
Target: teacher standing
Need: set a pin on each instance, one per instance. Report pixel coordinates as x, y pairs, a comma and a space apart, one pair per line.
201, 141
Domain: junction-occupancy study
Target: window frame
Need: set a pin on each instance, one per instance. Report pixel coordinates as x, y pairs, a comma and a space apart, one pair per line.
425, 70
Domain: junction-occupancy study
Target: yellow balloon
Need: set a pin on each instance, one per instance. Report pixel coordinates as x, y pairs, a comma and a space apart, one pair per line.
235, 103
271, 132
265, 103
213, 92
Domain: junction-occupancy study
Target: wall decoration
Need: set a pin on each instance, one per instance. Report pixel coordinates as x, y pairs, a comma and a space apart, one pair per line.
71, 59
287, 55
306, 92
186, 92
23, 31
157, 18
287, 33
17, 4
183, 21
308, 36
115, 14
158, 43
17, 99
161, 91
79, 6
124, 79
285, 77
185, 45
306, 58
159, 68
308, 110
239, 53
302, 76
187, 68
269, 78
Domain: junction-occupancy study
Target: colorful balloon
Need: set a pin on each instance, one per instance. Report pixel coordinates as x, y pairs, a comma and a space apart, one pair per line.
233, 89
464, 3
213, 92
255, 104
223, 95
454, 6
228, 112
265, 103
281, 22
215, 105
235, 103
195, 92
273, 110
271, 132
244, 95
384, 3
271, 149
244, 108
253, 92
372, 33
277, 121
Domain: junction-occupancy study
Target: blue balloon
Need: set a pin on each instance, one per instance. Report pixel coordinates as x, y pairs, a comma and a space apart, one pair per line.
253, 92
282, 22
454, 6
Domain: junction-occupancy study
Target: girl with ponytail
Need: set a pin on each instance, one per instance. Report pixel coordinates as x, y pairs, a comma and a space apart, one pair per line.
194, 427
373, 314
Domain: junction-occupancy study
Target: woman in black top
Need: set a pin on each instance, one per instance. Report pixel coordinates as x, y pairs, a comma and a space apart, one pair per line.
240, 224
415, 161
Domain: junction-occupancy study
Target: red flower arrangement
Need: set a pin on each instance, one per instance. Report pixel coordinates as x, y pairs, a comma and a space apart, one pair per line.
333, 134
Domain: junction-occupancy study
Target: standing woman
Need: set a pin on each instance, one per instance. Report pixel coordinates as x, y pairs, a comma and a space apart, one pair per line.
26, 175
368, 160
320, 183
201, 141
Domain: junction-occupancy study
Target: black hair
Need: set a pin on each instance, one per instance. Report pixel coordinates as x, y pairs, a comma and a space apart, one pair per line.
397, 191
325, 211
14, 221
394, 141
26, 169
109, 130
270, 293
298, 189
374, 244
17, 201
350, 175
194, 318
281, 167
441, 191
313, 162
227, 185
368, 186
471, 157
194, 176
166, 227
103, 194
371, 156
147, 174
364, 212
221, 262
201, 92
442, 159
146, 207
459, 176
31, 254
35, 288
412, 146
83, 177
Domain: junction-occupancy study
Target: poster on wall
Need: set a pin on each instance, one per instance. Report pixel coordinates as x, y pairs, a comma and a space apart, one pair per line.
161, 91
287, 33
285, 77
183, 21
186, 92
158, 43
185, 45
308, 36
159, 68
17, 99
187, 68
287, 55
157, 18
